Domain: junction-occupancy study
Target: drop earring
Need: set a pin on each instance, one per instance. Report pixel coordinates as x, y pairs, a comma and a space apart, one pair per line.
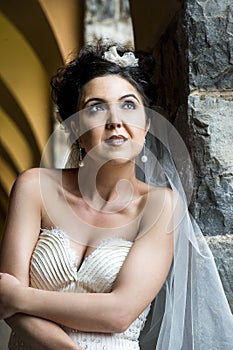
144, 157
80, 161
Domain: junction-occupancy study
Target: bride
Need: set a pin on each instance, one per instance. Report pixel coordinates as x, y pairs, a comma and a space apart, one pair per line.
103, 253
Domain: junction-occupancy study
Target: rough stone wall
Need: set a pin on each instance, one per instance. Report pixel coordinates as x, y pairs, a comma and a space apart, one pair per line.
194, 77
108, 19
210, 105
222, 247
210, 121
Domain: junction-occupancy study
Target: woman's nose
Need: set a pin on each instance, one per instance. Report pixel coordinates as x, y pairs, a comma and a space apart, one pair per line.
111, 125
114, 119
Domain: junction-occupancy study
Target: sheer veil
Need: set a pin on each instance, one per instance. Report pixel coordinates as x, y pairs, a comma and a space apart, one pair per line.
191, 311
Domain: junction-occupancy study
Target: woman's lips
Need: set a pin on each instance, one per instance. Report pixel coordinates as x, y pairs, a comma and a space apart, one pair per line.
116, 140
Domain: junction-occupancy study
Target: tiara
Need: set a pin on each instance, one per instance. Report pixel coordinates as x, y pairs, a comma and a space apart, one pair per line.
127, 60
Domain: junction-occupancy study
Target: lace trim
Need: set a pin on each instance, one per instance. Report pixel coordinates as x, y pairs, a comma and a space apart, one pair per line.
72, 255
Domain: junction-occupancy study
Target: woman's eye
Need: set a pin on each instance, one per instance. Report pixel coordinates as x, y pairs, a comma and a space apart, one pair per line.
129, 105
96, 108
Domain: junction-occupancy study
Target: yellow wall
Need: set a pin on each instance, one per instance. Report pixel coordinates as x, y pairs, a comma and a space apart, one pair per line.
36, 37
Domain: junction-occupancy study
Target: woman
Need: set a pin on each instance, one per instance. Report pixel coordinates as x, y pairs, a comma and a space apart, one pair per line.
121, 250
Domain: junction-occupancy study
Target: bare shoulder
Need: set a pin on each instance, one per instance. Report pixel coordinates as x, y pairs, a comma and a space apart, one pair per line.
160, 202
31, 177
156, 195
29, 181
158, 209
161, 196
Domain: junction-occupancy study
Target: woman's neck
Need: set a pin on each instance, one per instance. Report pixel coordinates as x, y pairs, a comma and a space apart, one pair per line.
113, 184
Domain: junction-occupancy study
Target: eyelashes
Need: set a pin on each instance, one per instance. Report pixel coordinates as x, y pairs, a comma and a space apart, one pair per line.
104, 107
95, 108
129, 105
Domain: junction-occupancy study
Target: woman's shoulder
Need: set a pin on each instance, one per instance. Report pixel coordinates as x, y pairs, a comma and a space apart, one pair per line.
155, 196
160, 192
33, 175
155, 192
158, 201
31, 179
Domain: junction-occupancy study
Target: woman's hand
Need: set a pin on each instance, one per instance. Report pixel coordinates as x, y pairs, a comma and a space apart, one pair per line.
10, 288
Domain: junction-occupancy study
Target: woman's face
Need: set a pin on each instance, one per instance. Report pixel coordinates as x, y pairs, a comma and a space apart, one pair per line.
111, 123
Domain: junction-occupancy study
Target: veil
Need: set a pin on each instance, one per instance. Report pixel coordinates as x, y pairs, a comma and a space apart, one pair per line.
191, 311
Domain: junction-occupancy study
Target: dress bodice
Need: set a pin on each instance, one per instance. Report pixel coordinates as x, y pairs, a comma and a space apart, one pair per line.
53, 267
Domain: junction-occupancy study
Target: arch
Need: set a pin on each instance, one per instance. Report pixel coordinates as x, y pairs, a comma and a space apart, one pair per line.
33, 45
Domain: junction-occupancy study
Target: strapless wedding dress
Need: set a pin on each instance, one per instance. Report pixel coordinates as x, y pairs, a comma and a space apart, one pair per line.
53, 267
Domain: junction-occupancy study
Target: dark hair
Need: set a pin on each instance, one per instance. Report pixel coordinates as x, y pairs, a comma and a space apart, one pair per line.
67, 84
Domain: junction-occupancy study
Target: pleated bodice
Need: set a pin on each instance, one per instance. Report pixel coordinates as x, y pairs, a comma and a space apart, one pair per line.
53, 267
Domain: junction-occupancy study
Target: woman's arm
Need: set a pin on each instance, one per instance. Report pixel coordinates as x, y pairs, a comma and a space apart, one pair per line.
20, 236
41, 334
140, 279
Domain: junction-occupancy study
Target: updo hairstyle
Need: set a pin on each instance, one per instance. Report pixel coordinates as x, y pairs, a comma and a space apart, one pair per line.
67, 84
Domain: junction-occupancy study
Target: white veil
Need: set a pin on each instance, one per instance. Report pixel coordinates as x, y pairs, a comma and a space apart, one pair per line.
191, 311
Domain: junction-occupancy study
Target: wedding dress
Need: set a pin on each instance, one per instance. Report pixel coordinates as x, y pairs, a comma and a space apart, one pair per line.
53, 267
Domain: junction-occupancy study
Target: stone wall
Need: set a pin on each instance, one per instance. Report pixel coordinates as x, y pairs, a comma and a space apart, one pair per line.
210, 121
194, 77
210, 105
108, 19
195, 83
222, 247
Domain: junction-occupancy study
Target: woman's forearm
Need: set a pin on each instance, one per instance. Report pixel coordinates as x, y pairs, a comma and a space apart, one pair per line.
41, 334
91, 312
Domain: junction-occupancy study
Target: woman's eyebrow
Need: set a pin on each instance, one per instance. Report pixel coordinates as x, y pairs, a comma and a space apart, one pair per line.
102, 100
129, 95
93, 99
